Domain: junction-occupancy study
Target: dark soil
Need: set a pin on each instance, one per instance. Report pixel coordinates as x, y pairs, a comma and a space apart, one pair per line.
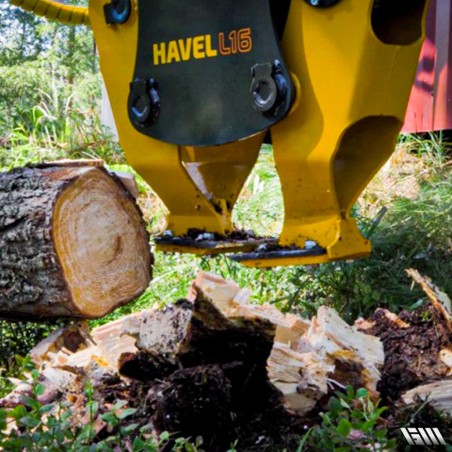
411, 354
215, 386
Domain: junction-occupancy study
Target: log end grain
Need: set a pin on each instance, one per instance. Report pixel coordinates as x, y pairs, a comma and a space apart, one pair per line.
101, 244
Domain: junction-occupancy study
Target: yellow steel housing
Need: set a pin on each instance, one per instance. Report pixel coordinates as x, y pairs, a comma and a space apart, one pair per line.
353, 90
199, 186
353, 72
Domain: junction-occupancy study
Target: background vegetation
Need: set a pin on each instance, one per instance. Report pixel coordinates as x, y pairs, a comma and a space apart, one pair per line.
50, 94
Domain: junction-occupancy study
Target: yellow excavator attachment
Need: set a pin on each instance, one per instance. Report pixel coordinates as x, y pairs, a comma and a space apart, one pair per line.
333, 101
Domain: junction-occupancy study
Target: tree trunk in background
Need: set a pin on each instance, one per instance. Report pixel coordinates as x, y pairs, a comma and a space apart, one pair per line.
72, 243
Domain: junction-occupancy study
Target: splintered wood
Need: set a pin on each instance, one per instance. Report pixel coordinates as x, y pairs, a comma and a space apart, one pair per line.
305, 360
72, 242
308, 358
439, 394
440, 301
215, 359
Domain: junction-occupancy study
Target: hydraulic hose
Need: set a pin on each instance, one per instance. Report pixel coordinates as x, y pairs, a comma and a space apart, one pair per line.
53, 10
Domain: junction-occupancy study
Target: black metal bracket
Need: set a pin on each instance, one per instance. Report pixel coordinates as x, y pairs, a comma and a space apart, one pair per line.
321, 3
201, 53
144, 102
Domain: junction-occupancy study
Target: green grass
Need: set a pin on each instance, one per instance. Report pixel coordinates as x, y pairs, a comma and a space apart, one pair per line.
415, 231
406, 212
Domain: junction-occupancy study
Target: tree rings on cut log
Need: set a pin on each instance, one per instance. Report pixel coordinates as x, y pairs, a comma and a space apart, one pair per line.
72, 243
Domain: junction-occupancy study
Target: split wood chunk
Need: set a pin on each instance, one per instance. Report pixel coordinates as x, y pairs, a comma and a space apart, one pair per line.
151, 331
301, 377
440, 301
445, 356
307, 356
439, 394
60, 344
329, 334
233, 302
331, 353
72, 243
152, 343
365, 325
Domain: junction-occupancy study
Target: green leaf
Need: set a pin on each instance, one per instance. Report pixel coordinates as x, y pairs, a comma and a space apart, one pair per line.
66, 415
128, 429
3, 416
367, 426
361, 393
342, 449
31, 402
46, 408
86, 434
304, 439
118, 405
29, 421
189, 447
34, 374
39, 389
164, 436
110, 418
138, 445
93, 408
147, 428
334, 406
344, 427
126, 413
18, 412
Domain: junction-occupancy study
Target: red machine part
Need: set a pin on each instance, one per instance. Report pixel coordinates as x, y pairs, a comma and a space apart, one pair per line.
430, 106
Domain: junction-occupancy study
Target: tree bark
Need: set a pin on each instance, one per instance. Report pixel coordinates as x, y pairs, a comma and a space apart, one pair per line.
72, 243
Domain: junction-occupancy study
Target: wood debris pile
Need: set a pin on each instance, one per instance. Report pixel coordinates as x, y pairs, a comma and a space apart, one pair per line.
217, 366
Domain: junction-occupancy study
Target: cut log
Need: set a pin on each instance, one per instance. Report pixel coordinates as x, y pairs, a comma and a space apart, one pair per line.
439, 394
127, 179
72, 243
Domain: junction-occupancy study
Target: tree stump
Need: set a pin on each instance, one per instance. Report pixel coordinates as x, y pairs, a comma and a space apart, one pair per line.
72, 243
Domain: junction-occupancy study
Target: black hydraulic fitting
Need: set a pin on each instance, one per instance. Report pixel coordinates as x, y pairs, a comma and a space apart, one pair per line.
144, 102
269, 88
117, 12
